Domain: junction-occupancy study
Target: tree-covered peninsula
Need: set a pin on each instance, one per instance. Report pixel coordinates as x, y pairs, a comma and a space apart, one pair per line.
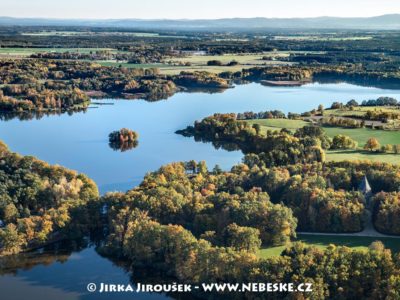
40, 203
202, 226
45, 85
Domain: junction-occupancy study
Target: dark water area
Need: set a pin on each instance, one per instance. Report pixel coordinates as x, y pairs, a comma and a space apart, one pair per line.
79, 141
63, 271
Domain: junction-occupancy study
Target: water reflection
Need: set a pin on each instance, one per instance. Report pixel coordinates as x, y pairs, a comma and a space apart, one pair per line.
30, 115
63, 270
80, 141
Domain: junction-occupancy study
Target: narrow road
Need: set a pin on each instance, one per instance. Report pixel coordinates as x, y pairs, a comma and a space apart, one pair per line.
369, 231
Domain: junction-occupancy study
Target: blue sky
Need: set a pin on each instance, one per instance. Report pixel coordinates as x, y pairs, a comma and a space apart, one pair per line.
190, 9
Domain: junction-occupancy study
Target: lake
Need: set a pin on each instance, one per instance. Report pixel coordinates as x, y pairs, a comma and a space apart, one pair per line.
80, 142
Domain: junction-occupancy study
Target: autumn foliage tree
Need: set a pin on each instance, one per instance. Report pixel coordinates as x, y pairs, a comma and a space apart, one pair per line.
40, 203
123, 139
372, 144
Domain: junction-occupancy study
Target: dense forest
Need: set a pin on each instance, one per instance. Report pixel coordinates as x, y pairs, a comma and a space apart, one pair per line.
274, 147
29, 85
206, 226
37, 84
196, 224
41, 203
369, 46
64, 78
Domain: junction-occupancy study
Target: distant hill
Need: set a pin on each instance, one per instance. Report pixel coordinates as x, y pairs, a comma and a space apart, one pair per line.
385, 22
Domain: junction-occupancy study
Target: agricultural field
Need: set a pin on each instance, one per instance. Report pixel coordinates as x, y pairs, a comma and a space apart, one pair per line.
194, 63
199, 62
323, 241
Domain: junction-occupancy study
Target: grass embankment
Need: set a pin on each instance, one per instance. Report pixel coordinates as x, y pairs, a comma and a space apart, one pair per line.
323, 241
361, 135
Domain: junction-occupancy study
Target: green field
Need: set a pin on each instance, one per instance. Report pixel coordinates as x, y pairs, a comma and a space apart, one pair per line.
362, 155
361, 135
278, 124
323, 241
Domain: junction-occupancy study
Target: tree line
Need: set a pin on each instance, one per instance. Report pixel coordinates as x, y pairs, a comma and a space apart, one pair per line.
38, 84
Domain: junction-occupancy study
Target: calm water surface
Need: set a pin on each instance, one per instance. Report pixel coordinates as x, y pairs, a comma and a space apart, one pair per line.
80, 142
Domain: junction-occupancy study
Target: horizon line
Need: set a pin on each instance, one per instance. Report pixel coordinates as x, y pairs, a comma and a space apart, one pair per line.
198, 19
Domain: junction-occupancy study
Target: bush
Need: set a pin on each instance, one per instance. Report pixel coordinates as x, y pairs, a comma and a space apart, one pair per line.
343, 142
214, 63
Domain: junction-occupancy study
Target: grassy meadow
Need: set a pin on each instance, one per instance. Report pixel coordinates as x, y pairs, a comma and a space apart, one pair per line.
278, 124
361, 135
323, 241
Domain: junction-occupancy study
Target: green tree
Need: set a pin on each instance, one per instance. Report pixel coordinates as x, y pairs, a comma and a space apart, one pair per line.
257, 128
11, 240
343, 142
242, 238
